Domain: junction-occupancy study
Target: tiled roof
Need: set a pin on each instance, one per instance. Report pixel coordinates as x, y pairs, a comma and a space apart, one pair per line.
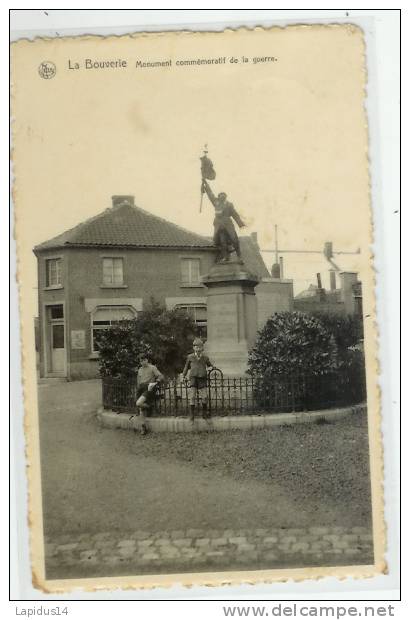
127, 225
252, 257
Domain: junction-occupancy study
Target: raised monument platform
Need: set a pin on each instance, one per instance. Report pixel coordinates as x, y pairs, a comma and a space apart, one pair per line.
231, 316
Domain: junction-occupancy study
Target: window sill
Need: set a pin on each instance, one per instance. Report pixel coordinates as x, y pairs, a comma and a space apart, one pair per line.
113, 286
56, 287
94, 356
191, 285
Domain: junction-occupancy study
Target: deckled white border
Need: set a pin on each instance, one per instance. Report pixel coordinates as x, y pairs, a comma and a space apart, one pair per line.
383, 154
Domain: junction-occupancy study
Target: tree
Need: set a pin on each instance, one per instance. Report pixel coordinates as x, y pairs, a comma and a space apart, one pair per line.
291, 343
165, 335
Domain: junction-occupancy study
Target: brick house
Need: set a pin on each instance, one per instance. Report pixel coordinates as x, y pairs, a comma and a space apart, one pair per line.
108, 268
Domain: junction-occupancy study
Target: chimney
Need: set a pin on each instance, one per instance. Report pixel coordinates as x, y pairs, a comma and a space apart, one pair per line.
281, 267
118, 201
347, 280
328, 250
332, 274
254, 237
320, 290
275, 270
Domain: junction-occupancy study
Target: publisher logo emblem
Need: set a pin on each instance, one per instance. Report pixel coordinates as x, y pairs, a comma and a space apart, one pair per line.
47, 70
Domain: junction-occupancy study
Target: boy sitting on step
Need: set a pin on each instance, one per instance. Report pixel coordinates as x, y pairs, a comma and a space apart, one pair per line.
148, 379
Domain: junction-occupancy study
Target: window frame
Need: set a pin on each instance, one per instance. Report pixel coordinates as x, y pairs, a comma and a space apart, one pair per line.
200, 324
113, 284
94, 352
52, 318
191, 283
58, 260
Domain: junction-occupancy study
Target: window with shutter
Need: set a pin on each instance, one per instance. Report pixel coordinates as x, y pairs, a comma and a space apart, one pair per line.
113, 271
190, 272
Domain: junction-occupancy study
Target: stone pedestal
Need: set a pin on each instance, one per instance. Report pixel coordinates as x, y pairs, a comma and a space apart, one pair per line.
231, 316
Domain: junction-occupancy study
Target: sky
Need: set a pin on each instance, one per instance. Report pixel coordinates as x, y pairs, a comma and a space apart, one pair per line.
287, 138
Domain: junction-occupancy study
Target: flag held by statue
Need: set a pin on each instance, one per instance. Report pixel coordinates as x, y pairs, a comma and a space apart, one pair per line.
207, 168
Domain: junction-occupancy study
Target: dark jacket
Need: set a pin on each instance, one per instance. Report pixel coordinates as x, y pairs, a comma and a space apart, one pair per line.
224, 213
197, 365
223, 221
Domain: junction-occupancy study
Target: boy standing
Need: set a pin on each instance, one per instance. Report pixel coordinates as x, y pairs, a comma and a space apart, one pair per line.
197, 363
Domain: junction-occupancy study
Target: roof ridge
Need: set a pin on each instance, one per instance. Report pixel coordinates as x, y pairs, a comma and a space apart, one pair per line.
70, 231
75, 235
131, 226
162, 219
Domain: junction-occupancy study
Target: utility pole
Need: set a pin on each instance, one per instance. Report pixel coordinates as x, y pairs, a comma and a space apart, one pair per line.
277, 272
277, 267
327, 251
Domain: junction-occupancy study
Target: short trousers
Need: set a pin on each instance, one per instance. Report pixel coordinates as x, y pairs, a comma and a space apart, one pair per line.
198, 388
145, 396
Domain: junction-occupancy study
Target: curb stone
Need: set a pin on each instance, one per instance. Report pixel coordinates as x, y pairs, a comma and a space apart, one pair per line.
142, 552
111, 419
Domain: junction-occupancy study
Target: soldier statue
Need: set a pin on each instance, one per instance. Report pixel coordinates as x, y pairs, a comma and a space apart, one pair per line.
225, 236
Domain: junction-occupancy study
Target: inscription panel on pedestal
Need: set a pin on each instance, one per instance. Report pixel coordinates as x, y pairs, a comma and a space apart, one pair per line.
222, 318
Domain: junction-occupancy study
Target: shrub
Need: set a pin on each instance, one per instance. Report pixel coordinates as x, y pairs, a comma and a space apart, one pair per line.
292, 343
166, 335
310, 357
348, 333
347, 330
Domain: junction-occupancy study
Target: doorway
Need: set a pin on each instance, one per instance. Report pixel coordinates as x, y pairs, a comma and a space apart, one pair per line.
56, 366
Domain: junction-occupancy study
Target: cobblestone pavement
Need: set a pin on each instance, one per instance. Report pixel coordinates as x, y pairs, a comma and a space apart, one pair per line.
196, 550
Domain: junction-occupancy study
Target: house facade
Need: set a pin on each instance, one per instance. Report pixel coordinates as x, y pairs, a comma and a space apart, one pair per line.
109, 268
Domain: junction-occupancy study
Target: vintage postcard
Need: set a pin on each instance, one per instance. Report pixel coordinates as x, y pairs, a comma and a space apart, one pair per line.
194, 230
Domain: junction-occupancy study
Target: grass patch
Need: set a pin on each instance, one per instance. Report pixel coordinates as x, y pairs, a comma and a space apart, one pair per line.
325, 461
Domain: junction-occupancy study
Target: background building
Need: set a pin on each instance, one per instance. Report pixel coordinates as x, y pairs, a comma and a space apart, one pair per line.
337, 289
109, 268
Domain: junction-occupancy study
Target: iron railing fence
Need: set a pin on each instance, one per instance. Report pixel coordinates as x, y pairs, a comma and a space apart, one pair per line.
244, 395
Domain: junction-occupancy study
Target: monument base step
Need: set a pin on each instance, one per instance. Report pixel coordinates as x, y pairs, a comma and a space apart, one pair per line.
127, 421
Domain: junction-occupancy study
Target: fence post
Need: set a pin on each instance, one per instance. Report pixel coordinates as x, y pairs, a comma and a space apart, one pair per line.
175, 394
213, 384
292, 384
209, 394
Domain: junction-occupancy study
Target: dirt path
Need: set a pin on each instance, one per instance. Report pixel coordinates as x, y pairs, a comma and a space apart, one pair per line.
98, 479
